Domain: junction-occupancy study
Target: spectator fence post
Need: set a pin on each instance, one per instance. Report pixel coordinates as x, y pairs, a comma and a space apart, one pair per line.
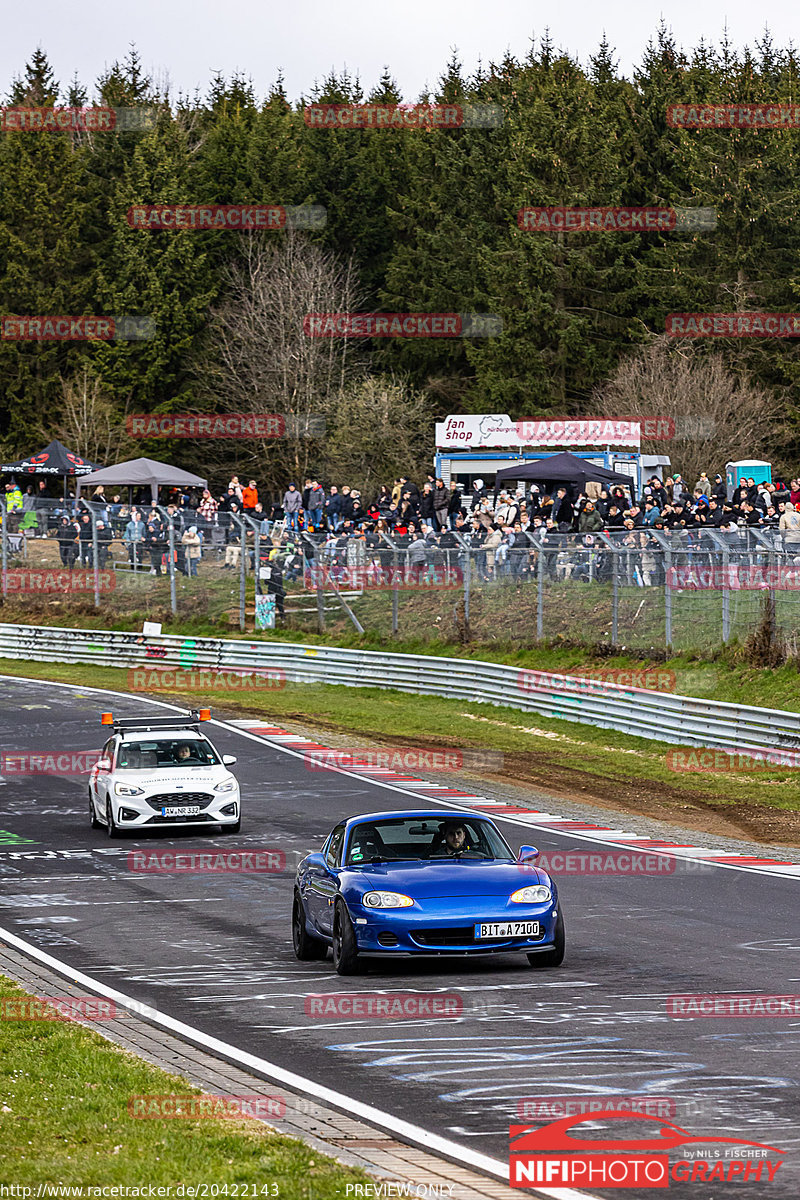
614, 598
242, 570
173, 597
540, 593
395, 584
666, 546
467, 573
95, 555
4, 515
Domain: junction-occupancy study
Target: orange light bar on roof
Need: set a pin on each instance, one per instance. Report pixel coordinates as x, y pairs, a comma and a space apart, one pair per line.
204, 714
106, 718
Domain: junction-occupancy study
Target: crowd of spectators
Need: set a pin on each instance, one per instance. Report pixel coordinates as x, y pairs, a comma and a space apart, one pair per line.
506, 529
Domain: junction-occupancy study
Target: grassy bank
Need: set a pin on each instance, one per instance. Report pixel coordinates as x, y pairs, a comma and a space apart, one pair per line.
560, 757
64, 1118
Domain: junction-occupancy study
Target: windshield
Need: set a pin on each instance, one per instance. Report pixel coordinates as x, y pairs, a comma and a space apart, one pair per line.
165, 753
401, 839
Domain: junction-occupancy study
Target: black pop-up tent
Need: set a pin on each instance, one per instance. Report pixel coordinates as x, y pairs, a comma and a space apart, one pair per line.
566, 468
55, 459
141, 472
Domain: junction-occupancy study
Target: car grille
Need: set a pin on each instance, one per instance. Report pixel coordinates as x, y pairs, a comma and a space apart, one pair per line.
462, 935
197, 819
167, 799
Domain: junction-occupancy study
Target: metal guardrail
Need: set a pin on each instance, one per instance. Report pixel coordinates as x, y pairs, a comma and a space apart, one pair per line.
681, 720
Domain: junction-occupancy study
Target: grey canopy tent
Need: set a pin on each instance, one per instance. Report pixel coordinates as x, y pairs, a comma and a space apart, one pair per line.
566, 468
141, 472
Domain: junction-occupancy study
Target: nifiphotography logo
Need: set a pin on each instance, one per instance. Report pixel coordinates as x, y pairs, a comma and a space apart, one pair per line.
553, 1157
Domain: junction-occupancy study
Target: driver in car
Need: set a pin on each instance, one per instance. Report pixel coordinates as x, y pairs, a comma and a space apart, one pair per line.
453, 839
183, 752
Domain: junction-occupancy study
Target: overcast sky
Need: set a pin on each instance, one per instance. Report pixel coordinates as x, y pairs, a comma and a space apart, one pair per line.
187, 42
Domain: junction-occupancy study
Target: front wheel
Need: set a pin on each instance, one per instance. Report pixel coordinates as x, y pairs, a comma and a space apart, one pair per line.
345, 948
112, 829
95, 824
306, 947
237, 825
554, 957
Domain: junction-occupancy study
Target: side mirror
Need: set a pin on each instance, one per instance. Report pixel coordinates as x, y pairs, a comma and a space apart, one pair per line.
103, 764
527, 854
228, 760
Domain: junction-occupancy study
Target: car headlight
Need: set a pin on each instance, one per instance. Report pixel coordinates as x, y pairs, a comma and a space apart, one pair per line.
126, 789
386, 900
538, 894
227, 786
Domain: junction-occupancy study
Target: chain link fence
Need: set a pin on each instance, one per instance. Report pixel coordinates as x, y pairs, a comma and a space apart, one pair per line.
642, 589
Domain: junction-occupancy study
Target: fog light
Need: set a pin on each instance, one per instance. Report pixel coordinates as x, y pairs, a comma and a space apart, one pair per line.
128, 814
229, 810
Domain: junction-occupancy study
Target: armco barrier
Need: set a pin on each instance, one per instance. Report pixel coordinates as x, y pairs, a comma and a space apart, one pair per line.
682, 720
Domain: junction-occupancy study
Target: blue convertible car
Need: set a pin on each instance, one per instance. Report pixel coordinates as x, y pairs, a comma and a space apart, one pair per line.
423, 883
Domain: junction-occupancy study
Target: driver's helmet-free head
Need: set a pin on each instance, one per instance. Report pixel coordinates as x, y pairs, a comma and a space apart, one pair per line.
183, 751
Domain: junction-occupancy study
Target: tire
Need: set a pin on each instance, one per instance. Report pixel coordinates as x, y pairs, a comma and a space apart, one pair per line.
306, 947
345, 948
112, 829
95, 824
554, 957
232, 828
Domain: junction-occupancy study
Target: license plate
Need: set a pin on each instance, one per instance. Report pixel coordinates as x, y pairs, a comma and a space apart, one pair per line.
188, 810
507, 929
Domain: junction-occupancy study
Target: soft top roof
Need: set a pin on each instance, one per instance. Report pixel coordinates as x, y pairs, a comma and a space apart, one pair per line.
427, 814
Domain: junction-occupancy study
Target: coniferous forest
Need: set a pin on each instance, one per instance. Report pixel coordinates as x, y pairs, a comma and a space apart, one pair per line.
417, 221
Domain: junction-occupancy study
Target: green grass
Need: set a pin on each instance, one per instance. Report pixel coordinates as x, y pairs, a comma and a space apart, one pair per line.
64, 1119
530, 744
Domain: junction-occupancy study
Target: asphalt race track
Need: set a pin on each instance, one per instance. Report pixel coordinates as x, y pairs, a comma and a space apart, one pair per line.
215, 952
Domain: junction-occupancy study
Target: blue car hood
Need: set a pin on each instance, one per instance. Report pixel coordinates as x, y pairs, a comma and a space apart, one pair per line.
448, 877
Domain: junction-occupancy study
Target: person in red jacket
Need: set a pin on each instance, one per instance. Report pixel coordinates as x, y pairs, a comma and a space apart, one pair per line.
250, 496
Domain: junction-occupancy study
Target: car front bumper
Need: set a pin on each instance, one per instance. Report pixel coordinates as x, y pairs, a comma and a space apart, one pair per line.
398, 932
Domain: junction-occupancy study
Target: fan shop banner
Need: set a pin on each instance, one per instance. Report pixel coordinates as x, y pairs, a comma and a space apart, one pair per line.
468, 432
